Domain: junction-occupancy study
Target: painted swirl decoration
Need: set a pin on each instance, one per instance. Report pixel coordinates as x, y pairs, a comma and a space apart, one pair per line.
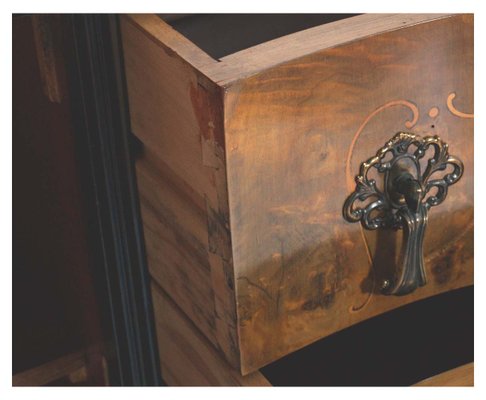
403, 203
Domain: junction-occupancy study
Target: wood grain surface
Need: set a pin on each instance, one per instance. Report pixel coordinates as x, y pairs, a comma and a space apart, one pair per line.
267, 55
49, 372
177, 113
302, 272
187, 358
460, 376
247, 163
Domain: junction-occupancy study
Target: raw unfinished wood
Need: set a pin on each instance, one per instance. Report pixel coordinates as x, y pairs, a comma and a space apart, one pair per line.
177, 114
460, 376
49, 372
220, 35
274, 52
270, 54
163, 35
186, 356
47, 50
248, 161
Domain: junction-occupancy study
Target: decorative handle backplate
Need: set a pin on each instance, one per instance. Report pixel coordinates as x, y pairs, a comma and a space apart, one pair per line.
405, 199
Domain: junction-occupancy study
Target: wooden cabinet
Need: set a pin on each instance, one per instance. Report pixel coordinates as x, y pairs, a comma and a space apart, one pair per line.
248, 159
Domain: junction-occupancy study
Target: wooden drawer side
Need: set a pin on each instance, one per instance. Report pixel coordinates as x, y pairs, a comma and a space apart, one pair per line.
176, 112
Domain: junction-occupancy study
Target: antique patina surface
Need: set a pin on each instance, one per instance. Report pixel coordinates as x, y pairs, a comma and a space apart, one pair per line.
247, 162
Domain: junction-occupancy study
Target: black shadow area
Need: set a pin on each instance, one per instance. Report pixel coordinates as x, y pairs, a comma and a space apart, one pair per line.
398, 348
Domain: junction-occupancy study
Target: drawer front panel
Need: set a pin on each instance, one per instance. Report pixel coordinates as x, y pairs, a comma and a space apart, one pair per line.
295, 137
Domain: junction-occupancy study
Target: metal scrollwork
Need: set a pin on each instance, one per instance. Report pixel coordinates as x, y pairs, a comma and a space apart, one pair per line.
405, 199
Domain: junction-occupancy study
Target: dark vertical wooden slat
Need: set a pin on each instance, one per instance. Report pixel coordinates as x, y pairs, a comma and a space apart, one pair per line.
103, 133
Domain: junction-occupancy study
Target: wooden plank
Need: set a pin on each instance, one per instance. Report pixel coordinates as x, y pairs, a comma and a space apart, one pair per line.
177, 113
269, 54
175, 230
49, 372
295, 137
163, 35
272, 53
46, 35
161, 109
187, 358
460, 376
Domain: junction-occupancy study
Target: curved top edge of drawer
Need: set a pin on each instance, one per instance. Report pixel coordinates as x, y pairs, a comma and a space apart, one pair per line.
245, 63
269, 54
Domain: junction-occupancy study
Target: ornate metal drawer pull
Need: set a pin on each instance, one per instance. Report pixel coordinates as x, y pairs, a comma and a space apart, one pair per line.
403, 202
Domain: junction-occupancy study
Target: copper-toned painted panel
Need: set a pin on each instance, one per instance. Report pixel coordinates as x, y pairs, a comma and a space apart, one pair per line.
295, 137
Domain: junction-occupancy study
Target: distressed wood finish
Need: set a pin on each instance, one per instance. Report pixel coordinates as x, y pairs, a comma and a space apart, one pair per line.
278, 51
302, 272
74, 365
187, 358
177, 114
247, 163
460, 376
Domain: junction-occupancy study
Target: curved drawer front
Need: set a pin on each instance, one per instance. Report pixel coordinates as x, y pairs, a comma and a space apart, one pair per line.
295, 137
248, 161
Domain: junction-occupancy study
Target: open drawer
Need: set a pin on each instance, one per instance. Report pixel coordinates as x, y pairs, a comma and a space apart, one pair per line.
248, 159
429, 341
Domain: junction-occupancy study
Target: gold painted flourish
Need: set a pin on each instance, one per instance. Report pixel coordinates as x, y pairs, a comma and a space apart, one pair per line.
350, 181
408, 124
454, 110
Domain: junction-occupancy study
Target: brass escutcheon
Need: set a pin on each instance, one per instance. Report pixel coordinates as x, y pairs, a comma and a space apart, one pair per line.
403, 202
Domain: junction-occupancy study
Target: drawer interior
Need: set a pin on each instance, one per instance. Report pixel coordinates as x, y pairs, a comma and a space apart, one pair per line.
398, 348
222, 34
